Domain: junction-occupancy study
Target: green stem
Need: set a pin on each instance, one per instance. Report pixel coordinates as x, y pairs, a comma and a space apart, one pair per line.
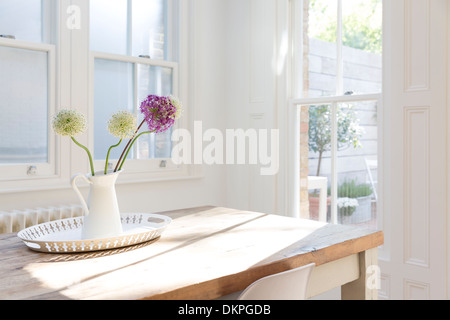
89, 154
131, 145
128, 144
107, 156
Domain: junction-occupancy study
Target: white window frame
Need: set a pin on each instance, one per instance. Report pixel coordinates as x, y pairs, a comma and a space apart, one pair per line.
160, 168
14, 172
334, 101
146, 167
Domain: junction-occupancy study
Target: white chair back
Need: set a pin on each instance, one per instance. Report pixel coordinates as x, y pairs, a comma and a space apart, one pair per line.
288, 285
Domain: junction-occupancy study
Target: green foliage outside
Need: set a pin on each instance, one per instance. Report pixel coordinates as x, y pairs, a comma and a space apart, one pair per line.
348, 130
362, 23
351, 189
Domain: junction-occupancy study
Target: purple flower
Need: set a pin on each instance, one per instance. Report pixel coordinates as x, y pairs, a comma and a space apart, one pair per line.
159, 113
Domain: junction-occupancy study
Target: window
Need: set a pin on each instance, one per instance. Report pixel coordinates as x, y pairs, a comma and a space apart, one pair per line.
340, 99
344, 47
125, 51
134, 28
24, 20
130, 63
27, 88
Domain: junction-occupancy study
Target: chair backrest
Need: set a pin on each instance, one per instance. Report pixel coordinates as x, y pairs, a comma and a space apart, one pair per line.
372, 165
288, 285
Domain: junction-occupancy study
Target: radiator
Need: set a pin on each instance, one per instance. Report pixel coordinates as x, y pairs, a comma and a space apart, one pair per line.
15, 221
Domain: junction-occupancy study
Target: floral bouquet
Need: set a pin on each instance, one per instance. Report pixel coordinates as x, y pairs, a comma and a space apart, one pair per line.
159, 114
347, 206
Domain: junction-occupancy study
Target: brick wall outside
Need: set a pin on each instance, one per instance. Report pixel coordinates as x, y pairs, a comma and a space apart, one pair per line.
304, 118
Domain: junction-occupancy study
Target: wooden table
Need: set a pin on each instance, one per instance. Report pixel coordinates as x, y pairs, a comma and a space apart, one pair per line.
206, 253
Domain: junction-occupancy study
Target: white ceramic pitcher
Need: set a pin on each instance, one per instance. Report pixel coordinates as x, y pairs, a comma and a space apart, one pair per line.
102, 215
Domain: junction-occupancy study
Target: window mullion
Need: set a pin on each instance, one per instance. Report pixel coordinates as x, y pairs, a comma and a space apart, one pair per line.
169, 26
334, 169
135, 104
339, 57
338, 99
44, 21
79, 74
130, 28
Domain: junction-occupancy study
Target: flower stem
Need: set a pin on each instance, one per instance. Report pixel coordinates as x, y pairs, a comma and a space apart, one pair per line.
107, 156
89, 155
131, 145
127, 146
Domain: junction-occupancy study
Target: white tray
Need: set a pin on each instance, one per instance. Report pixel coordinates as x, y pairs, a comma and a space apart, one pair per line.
64, 236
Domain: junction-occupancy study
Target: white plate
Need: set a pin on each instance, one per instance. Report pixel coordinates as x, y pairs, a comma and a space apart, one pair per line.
64, 236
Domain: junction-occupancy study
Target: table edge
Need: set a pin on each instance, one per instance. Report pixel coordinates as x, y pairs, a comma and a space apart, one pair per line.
213, 289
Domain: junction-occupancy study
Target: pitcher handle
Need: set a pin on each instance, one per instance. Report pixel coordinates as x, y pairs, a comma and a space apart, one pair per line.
77, 191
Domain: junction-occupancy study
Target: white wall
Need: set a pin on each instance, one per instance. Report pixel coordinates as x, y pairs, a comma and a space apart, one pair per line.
207, 95
251, 94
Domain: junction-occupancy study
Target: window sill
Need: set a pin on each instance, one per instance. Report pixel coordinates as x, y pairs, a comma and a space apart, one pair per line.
126, 181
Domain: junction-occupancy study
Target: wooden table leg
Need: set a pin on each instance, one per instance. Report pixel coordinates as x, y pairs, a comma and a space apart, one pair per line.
366, 287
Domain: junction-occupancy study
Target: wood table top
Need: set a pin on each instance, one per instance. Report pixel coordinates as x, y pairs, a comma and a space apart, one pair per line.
205, 253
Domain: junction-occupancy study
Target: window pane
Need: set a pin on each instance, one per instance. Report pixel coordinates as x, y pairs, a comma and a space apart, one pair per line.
111, 26
24, 106
362, 25
149, 28
321, 26
362, 45
154, 80
157, 81
155, 146
357, 164
319, 158
357, 135
22, 19
114, 91
108, 27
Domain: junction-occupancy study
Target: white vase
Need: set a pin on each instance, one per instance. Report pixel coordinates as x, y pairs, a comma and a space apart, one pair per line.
102, 215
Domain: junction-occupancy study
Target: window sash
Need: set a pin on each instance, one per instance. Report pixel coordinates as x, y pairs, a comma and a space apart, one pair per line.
170, 47
135, 166
334, 101
141, 168
298, 99
43, 170
338, 45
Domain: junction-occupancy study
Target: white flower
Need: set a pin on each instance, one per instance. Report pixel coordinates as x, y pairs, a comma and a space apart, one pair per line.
122, 125
177, 104
69, 122
347, 203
